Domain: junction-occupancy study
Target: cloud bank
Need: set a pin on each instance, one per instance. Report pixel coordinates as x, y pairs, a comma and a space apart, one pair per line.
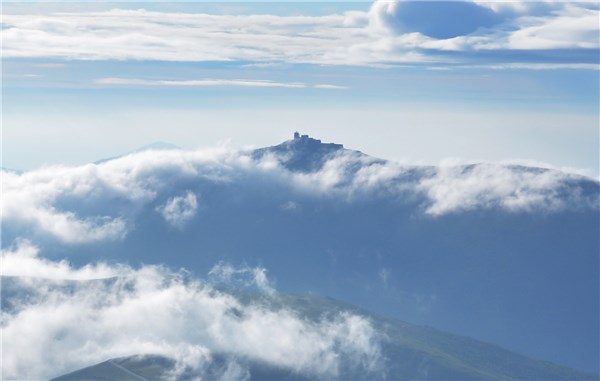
391, 32
62, 326
513, 188
103, 202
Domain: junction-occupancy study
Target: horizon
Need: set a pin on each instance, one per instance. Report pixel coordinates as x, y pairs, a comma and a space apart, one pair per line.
445, 162
501, 89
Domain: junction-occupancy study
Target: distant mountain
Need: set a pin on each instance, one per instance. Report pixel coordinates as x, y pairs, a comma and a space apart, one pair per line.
411, 353
15, 171
156, 146
505, 254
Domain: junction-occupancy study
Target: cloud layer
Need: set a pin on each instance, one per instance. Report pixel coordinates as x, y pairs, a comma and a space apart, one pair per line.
391, 32
512, 188
197, 208
62, 326
102, 202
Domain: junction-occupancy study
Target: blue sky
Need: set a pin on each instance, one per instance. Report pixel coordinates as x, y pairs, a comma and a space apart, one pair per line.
396, 80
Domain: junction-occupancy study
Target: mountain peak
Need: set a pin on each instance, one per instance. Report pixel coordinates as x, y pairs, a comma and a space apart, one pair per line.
302, 153
157, 146
306, 140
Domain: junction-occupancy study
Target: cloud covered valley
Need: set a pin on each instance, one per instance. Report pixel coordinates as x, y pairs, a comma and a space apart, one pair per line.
107, 260
302, 260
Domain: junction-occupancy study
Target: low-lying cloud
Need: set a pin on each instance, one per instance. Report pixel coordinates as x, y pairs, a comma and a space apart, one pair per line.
512, 188
112, 312
103, 202
179, 210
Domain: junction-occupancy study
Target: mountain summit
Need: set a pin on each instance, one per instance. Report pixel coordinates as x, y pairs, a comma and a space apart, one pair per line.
302, 153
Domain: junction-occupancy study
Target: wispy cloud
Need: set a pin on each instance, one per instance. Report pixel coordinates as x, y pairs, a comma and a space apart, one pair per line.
528, 66
21, 75
331, 87
226, 274
391, 32
210, 83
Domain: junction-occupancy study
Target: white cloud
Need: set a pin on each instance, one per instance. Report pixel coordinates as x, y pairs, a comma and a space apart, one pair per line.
22, 260
391, 32
125, 34
62, 326
33, 205
572, 27
179, 210
103, 202
96, 202
330, 87
513, 188
212, 83
199, 83
453, 187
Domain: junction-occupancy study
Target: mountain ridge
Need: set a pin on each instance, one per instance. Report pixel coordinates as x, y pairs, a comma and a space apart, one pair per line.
155, 146
307, 154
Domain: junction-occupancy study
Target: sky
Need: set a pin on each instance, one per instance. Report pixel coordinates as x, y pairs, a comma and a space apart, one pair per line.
419, 82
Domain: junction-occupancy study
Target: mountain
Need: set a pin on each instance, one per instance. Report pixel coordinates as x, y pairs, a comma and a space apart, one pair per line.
411, 353
11, 170
506, 254
303, 153
156, 146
